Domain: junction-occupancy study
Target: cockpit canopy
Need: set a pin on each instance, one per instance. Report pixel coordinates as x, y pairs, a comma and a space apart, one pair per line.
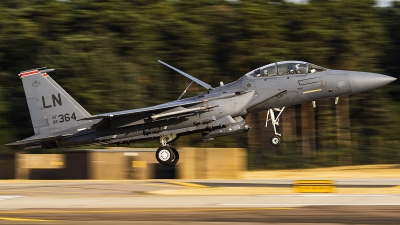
285, 68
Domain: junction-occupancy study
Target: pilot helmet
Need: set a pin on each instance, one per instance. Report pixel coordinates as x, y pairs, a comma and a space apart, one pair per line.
298, 68
290, 68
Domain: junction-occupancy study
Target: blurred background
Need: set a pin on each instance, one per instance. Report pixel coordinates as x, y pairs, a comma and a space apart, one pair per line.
105, 54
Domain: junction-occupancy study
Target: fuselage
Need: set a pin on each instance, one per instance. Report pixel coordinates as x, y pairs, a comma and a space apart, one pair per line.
271, 86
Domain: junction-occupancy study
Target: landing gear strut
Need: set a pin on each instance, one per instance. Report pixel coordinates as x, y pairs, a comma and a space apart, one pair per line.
165, 154
275, 140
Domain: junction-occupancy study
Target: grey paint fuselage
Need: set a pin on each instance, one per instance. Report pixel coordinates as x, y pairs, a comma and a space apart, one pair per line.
59, 121
247, 95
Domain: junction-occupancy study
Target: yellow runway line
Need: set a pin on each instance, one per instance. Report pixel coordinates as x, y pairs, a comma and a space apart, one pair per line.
148, 210
332, 173
224, 191
25, 219
161, 185
264, 191
187, 184
97, 189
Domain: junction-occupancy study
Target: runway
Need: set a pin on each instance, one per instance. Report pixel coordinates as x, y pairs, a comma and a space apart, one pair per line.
194, 202
102, 202
303, 215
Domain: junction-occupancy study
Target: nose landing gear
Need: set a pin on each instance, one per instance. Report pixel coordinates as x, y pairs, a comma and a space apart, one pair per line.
275, 140
165, 154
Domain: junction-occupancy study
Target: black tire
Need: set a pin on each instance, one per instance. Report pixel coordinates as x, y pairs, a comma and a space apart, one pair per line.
165, 155
275, 140
176, 159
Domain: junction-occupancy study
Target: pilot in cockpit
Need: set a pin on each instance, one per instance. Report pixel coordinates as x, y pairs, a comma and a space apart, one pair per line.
291, 69
294, 69
257, 73
297, 68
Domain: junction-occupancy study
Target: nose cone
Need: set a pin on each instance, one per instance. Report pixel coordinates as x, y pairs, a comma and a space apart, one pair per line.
361, 81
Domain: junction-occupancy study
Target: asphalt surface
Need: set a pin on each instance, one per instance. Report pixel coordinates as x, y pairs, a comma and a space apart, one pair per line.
304, 215
288, 185
347, 183
133, 202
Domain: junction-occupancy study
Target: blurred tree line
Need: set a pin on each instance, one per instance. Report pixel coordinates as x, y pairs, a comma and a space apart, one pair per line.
105, 54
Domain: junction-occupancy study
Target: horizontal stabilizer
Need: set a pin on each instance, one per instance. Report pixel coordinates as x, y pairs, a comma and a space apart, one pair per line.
36, 138
33, 146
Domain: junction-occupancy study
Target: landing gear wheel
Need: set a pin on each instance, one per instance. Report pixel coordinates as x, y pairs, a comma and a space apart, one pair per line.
175, 161
165, 155
275, 140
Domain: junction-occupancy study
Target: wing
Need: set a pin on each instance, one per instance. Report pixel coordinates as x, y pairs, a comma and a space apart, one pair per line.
183, 102
169, 105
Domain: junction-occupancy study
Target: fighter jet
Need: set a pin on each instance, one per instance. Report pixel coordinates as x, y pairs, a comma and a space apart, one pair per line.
61, 122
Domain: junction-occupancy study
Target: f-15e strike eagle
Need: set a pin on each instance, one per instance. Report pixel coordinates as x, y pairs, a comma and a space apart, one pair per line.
61, 122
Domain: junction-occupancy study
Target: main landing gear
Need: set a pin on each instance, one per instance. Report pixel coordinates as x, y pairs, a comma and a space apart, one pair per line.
166, 154
276, 139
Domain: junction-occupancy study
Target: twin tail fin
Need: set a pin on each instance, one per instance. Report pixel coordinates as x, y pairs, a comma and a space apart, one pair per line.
51, 108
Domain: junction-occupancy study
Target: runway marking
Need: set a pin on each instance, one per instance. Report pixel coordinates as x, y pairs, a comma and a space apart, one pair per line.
97, 189
262, 204
289, 205
332, 195
5, 197
161, 185
149, 210
187, 184
25, 219
55, 191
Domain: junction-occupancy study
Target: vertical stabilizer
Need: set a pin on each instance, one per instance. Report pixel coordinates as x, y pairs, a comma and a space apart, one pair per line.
51, 108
